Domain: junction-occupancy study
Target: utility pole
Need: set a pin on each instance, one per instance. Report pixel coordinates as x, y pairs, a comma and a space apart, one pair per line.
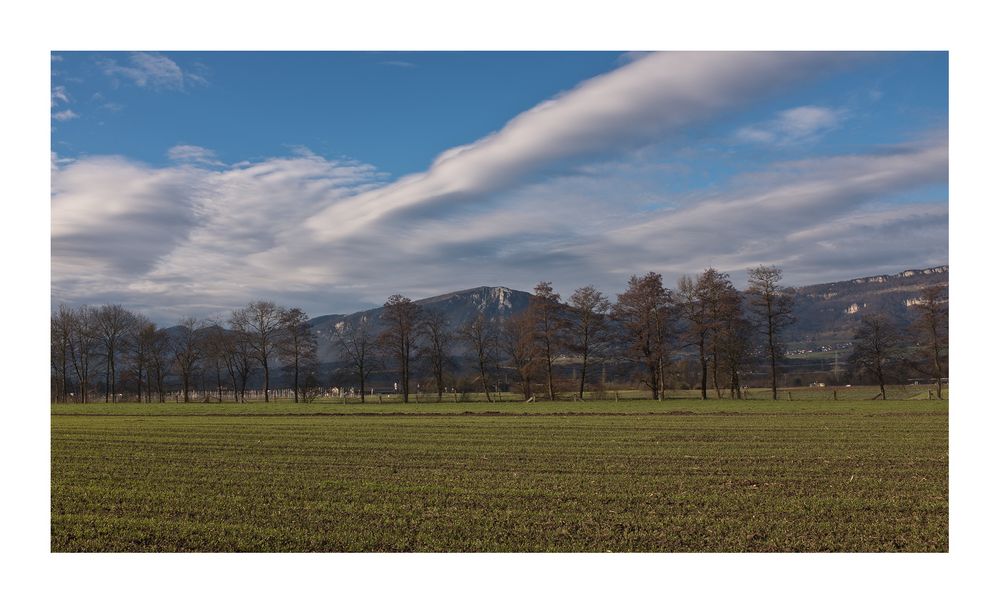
836, 366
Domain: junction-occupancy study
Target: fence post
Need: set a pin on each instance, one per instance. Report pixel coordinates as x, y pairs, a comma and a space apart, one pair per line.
834, 395
789, 393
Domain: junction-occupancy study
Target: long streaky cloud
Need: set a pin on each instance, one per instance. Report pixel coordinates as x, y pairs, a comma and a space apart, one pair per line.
632, 106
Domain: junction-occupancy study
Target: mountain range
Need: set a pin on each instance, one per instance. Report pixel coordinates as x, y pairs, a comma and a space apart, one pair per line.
826, 314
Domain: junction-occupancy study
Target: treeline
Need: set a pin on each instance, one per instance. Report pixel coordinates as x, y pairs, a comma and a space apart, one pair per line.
648, 329
125, 353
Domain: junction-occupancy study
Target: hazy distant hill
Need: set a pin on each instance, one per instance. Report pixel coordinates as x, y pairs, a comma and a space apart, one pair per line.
826, 314
830, 312
458, 308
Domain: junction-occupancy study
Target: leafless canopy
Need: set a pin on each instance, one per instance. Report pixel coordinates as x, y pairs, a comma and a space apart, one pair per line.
771, 308
643, 311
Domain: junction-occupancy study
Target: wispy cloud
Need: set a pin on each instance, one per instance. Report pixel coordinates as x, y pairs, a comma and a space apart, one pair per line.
561, 192
193, 154
59, 95
763, 217
65, 115
124, 230
214, 236
633, 105
151, 70
398, 63
793, 126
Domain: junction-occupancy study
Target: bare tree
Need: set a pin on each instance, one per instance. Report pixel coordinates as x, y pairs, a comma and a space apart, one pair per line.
734, 342
84, 343
160, 355
61, 332
261, 321
187, 348
771, 306
216, 348
550, 328
877, 344
517, 339
138, 341
481, 336
357, 345
239, 358
113, 325
297, 347
704, 304
588, 326
693, 302
399, 340
932, 330
437, 340
643, 311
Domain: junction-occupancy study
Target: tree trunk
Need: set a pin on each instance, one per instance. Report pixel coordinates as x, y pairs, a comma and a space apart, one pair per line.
704, 375
937, 368
548, 365
881, 380
661, 379
439, 378
773, 353
405, 366
486, 385
267, 382
715, 375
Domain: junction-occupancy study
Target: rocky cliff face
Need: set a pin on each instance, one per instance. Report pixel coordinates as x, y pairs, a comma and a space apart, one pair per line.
831, 311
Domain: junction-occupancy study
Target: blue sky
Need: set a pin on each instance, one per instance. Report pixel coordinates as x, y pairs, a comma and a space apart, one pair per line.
189, 183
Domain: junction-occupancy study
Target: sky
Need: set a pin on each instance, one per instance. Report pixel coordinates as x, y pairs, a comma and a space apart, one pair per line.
192, 183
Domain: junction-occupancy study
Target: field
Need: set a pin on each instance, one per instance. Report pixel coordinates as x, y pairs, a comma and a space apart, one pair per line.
680, 475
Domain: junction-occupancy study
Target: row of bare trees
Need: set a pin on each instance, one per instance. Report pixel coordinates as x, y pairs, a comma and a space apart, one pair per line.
648, 328
137, 358
723, 327
884, 350
645, 328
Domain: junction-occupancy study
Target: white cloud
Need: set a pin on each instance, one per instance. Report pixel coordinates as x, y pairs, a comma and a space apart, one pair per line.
59, 95
201, 237
65, 115
777, 216
122, 230
151, 70
193, 154
792, 126
633, 105
213, 238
